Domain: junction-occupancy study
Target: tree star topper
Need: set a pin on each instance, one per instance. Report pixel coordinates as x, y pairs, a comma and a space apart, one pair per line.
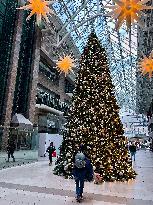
146, 65
40, 8
65, 64
128, 10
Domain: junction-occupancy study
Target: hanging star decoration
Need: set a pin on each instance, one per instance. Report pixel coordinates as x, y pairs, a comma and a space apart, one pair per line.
146, 65
65, 64
129, 11
40, 8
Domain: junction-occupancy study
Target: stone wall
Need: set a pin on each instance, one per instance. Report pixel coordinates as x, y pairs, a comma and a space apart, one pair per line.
34, 76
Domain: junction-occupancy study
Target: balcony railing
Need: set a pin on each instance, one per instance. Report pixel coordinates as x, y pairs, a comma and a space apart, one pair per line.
53, 103
54, 77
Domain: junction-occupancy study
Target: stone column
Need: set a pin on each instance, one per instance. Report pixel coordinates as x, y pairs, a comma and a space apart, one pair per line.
11, 81
34, 76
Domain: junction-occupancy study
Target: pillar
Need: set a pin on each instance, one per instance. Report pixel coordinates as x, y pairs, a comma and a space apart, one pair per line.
11, 81
34, 76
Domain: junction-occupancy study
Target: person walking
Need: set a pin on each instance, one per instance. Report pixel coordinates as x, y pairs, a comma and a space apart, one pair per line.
133, 150
50, 150
82, 171
10, 151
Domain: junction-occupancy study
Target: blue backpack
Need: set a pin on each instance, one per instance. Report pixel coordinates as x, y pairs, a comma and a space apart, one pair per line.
80, 160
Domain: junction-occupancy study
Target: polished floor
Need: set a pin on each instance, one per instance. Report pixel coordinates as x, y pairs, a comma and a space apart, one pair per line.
35, 184
21, 157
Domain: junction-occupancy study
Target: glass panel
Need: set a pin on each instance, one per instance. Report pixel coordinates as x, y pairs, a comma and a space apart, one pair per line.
68, 87
83, 17
49, 71
24, 144
1, 22
20, 103
6, 42
2, 8
3, 2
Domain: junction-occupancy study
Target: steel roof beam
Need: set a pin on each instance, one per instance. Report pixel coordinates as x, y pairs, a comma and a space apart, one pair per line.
73, 16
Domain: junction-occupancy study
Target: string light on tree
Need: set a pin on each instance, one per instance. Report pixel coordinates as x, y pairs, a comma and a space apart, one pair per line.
146, 65
65, 64
40, 8
129, 11
94, 120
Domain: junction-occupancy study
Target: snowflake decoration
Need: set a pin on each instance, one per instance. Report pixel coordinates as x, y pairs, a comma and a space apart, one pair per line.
146, 65
129, 11
40, 8
65, 64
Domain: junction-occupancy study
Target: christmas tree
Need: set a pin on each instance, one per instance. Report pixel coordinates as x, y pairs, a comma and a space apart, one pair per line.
94, 120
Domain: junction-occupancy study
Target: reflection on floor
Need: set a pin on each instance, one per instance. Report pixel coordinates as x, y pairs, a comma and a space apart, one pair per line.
35, 184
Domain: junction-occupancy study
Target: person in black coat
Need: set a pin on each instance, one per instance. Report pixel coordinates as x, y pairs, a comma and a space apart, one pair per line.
133, 150
10, 151
50, 150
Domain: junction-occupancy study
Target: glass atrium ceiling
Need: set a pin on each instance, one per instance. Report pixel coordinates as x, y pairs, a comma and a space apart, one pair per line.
80, 17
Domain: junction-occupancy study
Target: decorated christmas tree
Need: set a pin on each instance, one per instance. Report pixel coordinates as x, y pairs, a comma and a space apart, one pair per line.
94, 120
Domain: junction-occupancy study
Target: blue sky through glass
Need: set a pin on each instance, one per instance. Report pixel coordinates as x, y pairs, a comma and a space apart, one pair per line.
122, 57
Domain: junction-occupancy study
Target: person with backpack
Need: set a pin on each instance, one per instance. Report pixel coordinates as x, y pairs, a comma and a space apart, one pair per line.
50, 150
82, 171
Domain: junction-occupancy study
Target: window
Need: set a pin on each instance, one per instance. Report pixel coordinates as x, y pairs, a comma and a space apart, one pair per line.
49, 71
68, 87
48, 98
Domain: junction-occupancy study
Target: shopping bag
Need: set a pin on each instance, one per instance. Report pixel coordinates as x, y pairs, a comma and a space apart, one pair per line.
54, 154
97, 178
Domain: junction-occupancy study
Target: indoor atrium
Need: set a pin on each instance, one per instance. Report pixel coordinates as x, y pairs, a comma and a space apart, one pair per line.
76, 102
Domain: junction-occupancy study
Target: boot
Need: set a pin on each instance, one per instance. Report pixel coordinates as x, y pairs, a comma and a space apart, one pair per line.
81, 196
78, 199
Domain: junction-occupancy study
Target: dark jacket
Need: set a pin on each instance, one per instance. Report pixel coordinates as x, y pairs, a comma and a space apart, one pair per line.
11, 148
85, 173
132, 148
50, 150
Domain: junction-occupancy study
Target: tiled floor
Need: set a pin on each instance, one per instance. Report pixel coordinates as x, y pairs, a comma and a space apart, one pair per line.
35, 184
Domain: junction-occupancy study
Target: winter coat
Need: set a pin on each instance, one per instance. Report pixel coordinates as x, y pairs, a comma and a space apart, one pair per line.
132, 148
50, 150
11, 148
85, 173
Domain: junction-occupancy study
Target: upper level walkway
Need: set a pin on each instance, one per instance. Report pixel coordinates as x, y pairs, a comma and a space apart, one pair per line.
35, 184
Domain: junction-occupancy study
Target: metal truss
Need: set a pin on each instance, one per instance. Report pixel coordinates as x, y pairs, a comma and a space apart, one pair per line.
79, 18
